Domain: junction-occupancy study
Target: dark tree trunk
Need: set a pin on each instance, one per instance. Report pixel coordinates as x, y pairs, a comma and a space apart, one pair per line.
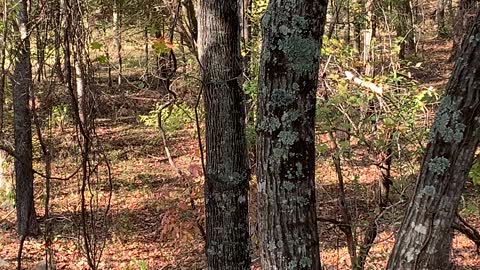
424, 240
292, 34
58, 40
4, 186
227, 170
22, 82
405, 28
463, 21
440, 18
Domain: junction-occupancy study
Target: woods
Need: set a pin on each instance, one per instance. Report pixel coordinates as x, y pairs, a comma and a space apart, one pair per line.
254, 134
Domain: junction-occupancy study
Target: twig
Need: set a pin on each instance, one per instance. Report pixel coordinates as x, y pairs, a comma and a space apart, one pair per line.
7, 215
468, 230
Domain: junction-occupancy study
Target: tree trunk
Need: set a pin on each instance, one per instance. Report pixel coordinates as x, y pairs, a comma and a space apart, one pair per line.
464, 19
424, 240
405, 28
22, 82
117, 36
227, 170
4, 188
147, 44
58, 40
79, 62
440, 18
368, 36
357, 26
292, 34
245, 7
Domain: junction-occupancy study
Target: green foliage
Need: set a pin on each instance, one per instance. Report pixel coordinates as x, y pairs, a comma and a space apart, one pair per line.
378, 122
162, 46
474, 173
137, 265
173, 118
60, 115
7, 196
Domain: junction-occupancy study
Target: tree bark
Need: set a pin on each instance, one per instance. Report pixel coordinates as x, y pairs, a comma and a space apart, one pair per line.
57, 13
292, 34
22, 82
117, 36
425, 237
227, 170
440, 18
4, 187
463, 21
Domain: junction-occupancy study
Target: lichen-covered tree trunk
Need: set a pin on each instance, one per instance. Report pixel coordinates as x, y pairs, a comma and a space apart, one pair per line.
22, 82
424, 240
292, 34
227, 170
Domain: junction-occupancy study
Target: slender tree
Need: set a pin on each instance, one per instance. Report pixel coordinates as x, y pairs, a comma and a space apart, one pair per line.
3, 51
292, 34
227, 170
425, 237
117, 35
22, 83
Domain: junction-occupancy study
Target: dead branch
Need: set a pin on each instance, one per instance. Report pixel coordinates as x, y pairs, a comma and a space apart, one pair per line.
468, 230
358, 81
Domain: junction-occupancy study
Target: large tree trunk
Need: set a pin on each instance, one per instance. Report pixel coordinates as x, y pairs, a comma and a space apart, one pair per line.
292, 34
463, 21
227, 171
425, 238
22, 82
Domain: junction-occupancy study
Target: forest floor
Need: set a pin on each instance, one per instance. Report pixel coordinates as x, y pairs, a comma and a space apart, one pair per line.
151, 220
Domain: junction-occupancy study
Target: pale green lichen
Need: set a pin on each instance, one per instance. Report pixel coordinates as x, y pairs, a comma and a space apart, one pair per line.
301, 200
299, 171
287, 138
447, 123
289, 117
288, 186
438, 165
302, 52
285, 30
305, 262
270, 124
300, 22
289, 175
281, 98
292, 265
429, 191
279, 154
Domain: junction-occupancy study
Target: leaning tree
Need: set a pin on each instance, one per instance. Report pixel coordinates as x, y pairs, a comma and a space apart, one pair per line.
425, 237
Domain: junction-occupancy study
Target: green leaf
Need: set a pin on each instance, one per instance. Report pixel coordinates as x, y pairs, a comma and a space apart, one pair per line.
96, 45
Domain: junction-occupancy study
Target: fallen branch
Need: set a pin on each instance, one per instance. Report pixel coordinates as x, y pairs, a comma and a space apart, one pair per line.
358, 81
7, 215
468, 230
11, 152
